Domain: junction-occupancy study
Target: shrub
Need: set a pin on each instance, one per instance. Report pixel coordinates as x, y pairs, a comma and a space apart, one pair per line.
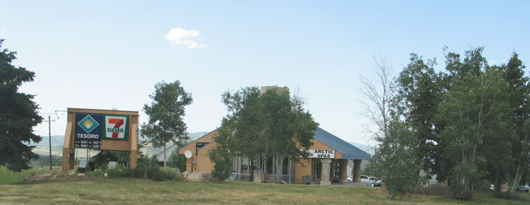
138, 172
119, 172
159, 175
150, 172
169, 173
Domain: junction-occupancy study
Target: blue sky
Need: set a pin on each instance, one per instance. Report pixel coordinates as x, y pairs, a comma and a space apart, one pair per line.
110, 54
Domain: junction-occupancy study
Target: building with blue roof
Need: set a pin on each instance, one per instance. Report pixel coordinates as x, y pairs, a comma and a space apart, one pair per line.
327, 162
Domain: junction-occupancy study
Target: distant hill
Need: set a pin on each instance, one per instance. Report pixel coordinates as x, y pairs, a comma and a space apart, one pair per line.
363, 147
43, 147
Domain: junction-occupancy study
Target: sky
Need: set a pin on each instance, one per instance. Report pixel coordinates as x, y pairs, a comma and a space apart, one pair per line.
110, 54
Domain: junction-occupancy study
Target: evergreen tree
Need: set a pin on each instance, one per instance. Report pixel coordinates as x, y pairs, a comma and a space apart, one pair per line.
177, 160
18, 115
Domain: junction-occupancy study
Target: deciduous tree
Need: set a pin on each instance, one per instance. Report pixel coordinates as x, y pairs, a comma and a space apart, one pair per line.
474, 110
419, 90
260, 125
165, 114
518, 99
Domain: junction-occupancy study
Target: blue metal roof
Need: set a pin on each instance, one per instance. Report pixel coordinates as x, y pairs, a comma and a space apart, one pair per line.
348, 150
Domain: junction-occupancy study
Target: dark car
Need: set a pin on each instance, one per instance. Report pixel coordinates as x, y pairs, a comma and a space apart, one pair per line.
376, 183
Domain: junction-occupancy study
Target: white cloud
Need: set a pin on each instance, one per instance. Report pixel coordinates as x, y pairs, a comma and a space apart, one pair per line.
492, 62
185, 37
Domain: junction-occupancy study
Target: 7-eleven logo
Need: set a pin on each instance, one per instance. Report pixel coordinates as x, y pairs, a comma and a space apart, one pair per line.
115, 127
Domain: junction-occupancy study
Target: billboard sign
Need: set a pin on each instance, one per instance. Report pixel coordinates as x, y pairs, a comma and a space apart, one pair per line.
116, 127
87, 131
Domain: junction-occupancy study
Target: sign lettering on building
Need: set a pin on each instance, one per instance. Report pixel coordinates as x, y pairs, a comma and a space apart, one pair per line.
321, 153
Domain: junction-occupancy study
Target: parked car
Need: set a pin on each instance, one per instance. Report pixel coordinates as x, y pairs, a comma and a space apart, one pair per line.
524, 188
350, 178
365, 178
376, 183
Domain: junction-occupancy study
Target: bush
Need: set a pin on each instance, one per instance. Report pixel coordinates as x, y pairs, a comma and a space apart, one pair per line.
119, 172
170, 173
138, 172
150, 172
159, 175
11, 177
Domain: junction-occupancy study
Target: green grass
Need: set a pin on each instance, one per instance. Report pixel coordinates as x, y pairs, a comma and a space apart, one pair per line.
10, 177
146, 191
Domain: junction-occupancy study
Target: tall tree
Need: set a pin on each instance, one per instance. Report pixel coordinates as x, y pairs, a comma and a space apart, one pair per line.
223, 152
395, 160
396, 157
377, 92
419, 91
474, 110
518, 98
290, 127
261, 125
165, 113
18, 114
245, 124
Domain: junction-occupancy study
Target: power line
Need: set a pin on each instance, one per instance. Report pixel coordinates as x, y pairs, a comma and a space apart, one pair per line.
58, 143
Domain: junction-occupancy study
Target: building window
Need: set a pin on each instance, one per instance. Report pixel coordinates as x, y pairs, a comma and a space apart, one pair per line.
199, 145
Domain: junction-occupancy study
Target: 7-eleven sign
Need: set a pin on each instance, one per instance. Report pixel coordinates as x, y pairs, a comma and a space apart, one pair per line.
116, 127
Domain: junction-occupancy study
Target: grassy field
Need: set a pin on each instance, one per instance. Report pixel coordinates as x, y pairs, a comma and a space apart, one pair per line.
145, 191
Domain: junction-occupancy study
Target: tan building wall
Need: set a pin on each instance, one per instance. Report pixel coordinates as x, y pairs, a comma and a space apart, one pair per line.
203, 163
203, 160
304, 168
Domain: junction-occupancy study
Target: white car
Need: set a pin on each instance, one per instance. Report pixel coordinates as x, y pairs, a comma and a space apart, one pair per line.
524, 188
365, 178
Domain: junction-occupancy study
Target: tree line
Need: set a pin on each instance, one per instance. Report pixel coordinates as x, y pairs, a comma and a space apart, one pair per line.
467, 125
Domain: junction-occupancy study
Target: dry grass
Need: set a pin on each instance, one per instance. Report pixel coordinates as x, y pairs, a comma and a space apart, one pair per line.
144, 191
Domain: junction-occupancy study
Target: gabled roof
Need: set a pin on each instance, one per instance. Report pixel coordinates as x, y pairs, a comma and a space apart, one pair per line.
348, 150
199, 138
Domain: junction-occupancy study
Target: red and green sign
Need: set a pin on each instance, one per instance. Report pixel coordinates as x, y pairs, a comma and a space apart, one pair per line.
115, 127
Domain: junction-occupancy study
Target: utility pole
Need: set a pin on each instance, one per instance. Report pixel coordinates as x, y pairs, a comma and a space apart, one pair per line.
50, 138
